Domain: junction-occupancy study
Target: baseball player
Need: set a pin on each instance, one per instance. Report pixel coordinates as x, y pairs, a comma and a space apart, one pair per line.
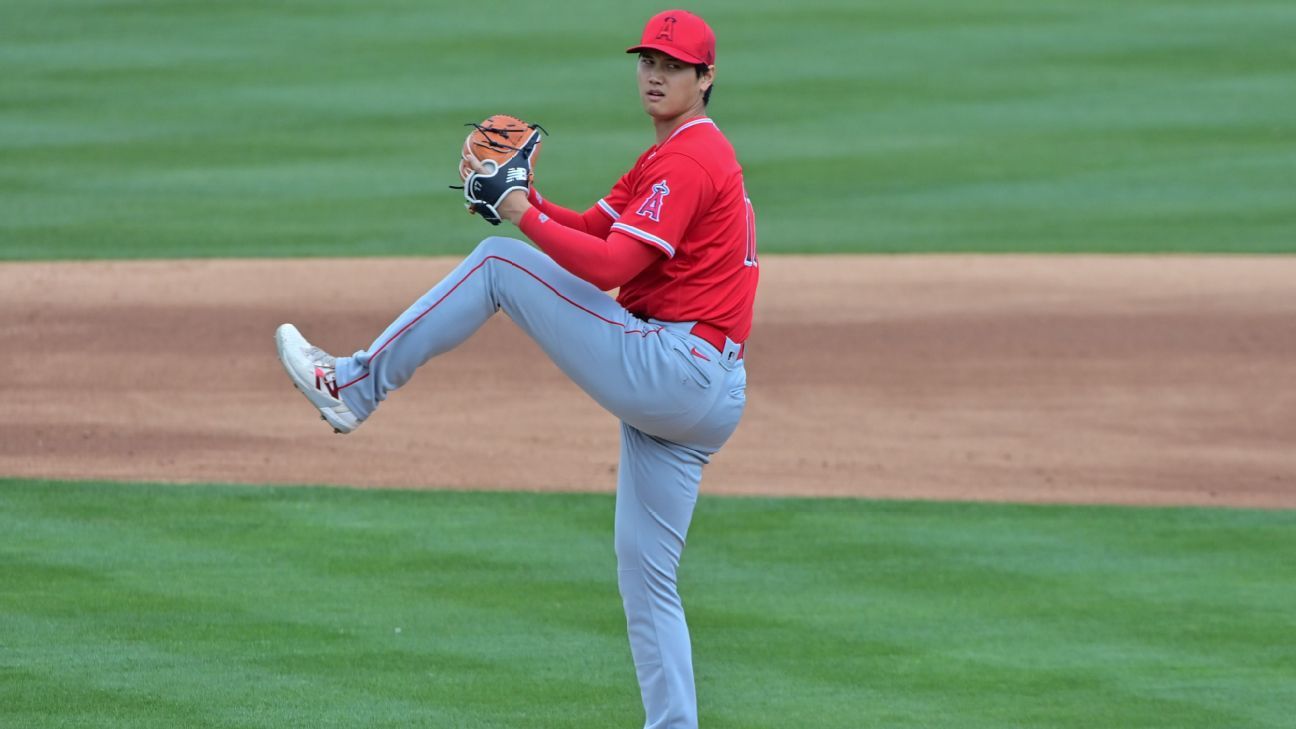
677, 236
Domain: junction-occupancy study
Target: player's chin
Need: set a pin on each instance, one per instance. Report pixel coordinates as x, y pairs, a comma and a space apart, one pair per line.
657, 108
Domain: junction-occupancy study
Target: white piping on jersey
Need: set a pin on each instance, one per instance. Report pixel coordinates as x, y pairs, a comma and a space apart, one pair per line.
608, 209
646, 237
751, 233
695, 122
649, 237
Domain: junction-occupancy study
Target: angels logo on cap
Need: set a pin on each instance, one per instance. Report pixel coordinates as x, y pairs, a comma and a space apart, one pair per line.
667, 32
679, 34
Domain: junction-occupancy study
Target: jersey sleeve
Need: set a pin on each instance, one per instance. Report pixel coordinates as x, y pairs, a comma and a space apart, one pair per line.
615, 201
671, 191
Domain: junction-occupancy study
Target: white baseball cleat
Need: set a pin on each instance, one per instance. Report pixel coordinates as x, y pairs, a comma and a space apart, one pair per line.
313, 372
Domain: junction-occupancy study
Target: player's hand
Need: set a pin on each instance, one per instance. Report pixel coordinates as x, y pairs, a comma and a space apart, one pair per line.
471, 164
514, 206
495, 165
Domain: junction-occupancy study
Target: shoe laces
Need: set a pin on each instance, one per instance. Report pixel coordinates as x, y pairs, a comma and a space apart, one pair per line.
322, 358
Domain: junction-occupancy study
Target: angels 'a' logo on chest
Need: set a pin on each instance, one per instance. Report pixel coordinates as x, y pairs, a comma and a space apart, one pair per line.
652, 207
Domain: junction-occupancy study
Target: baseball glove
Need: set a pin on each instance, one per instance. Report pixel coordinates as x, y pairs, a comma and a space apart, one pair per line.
505, 149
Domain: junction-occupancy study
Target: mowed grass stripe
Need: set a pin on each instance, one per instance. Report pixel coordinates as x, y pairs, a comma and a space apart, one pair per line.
222, 606
331, 128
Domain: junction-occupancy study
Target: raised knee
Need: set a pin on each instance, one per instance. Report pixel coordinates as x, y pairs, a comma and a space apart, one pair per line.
498, 245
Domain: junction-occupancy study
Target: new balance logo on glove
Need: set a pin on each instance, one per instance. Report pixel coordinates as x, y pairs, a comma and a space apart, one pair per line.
517, 174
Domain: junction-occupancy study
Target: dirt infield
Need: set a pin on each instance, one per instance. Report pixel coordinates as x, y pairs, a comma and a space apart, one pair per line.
1071, 379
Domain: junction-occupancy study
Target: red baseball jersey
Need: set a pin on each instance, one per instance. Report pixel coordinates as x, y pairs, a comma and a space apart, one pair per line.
686, 198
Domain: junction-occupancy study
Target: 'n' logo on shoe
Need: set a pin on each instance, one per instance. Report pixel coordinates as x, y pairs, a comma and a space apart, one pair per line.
326, 383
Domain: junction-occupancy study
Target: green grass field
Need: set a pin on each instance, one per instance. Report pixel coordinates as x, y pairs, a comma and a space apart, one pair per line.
164, 129
241, 128
217, 606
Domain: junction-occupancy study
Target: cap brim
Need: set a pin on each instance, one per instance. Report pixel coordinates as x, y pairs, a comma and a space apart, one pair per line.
672, 52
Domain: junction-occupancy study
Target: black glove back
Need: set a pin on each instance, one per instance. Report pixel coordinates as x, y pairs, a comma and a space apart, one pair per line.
484, 191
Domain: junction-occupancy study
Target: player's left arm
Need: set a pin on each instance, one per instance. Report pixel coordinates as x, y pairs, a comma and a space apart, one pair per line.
598, 219
593, 221
674, 189
607, 264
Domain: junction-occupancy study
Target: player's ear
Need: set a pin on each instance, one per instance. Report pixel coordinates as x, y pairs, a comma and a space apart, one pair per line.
706, 75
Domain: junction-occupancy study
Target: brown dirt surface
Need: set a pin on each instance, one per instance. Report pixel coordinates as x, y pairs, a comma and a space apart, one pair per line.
1140, 380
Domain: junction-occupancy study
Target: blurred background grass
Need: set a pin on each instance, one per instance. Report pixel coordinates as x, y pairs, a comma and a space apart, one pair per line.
129, 605
171, 129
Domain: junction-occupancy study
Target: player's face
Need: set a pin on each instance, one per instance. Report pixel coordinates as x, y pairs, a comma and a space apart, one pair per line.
669, 87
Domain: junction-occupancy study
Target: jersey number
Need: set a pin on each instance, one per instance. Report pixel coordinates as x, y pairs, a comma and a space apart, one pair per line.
750, 259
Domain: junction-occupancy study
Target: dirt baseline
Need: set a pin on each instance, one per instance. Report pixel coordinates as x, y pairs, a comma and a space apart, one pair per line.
1050, 378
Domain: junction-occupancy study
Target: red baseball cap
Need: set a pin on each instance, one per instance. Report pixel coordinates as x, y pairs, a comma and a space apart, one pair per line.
680, 34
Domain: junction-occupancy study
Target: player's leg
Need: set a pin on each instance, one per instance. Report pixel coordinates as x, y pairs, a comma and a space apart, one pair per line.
635, 370
657, 488
648, 376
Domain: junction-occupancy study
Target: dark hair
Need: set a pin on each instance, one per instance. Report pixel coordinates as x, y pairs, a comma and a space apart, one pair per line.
701, 69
